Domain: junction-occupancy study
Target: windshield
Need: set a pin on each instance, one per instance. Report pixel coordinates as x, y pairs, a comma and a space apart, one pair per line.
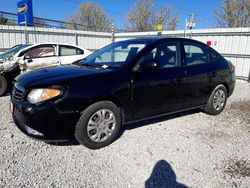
12, 51
115, 54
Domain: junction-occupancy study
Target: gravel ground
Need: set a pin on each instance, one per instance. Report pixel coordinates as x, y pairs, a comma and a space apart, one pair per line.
186, 150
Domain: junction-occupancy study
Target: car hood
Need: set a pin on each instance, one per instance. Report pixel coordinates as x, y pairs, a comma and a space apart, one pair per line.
56, 75
7, 66
3, 60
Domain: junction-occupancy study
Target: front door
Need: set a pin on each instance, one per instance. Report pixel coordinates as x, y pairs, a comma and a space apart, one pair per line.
159, 90
41, 56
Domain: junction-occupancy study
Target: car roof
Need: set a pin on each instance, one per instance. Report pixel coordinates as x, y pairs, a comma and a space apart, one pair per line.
56, 43
46, 43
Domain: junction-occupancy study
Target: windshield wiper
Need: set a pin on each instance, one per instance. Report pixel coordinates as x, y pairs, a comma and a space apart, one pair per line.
90, 65
95, 65
87, 64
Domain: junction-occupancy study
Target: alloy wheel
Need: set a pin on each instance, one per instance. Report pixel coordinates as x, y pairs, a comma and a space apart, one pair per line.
101, 125
219, 99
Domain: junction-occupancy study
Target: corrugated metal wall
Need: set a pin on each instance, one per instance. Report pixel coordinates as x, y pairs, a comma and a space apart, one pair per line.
13, 35
234, 43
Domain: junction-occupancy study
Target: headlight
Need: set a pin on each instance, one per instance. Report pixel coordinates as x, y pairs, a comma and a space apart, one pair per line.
40, 95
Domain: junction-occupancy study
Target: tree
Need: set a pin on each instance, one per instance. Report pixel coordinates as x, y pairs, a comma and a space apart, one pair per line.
39, 22
90, 17
234, 13
3, 20
143, 17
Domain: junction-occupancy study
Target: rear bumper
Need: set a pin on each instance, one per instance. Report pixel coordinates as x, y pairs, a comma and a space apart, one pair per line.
231, 84
44, 123
231, 89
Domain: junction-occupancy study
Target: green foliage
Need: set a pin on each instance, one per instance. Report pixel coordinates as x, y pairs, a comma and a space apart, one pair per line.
3, 20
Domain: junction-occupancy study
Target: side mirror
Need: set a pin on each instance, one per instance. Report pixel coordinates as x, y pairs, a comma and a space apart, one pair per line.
148, 65
26, 57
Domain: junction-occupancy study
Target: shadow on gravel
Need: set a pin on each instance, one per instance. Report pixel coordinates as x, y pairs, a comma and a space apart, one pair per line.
163, 176
157, 120
134, 126
5, 95
66, 143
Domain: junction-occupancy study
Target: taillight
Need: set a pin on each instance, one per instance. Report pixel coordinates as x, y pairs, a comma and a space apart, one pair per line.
232, 67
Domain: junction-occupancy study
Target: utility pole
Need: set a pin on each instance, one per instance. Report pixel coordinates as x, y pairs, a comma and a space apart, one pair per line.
26, 30
113, 33
185, 30
190, 24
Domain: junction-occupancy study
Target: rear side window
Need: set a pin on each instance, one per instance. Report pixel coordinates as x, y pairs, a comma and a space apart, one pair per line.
195, 54
69, 50
79, 51
213, 56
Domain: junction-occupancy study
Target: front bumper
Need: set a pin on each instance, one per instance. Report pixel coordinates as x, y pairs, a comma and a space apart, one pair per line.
44, 122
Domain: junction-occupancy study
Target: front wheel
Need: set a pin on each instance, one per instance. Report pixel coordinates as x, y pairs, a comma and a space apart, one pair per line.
99, 125
217, 101
3, 85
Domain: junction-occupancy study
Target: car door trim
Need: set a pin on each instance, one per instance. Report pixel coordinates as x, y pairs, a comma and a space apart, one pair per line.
165, 114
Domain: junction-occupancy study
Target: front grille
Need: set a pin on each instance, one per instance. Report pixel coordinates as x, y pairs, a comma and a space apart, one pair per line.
17, 94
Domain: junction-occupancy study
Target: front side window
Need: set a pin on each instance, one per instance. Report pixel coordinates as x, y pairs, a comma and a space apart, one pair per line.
166, 55
195, 54
41, 51
69, 50
116, 54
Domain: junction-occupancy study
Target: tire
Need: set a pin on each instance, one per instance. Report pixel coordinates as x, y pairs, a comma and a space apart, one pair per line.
3, 85
99, 125
217, 101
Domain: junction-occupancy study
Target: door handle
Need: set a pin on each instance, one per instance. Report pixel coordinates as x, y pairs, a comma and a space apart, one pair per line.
213, 74
178, 80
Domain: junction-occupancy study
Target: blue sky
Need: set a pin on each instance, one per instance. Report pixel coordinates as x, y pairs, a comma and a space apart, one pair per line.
116, 10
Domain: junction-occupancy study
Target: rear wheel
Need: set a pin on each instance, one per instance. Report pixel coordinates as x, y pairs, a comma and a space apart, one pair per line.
217, 100
99, 125
3, 85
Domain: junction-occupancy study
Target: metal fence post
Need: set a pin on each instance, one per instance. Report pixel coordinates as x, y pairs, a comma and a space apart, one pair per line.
249, 76
76, 38
26, 35
113, 33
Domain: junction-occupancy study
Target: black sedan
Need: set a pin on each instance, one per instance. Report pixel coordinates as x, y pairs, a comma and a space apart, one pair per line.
123, 82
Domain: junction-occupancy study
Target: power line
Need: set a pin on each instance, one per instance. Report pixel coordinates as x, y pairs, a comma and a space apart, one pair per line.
208, 21
51, 23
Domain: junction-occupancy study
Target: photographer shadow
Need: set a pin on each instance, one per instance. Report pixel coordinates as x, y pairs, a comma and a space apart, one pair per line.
163, 176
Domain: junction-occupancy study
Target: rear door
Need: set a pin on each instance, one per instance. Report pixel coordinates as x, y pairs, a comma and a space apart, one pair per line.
159, 91
198, 73
69, 54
